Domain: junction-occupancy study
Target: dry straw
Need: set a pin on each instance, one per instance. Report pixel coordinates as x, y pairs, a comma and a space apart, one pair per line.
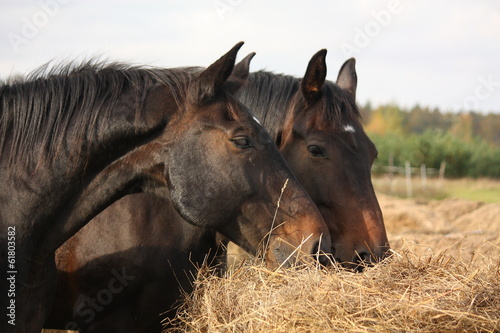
444, 276
406, 293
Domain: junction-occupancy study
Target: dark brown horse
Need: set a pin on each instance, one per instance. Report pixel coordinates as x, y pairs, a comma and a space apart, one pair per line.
285, 105
75, 140
316, 125
124, 280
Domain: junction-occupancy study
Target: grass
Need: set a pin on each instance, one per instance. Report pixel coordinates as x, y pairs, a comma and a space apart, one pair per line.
484, 190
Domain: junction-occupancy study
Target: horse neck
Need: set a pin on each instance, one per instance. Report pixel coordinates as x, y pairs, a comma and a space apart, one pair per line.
59, 196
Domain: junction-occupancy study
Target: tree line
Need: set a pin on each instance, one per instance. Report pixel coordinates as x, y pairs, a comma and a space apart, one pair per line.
469, 142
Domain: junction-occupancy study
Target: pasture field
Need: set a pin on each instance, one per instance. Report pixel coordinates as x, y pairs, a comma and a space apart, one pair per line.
484, 190
443, 276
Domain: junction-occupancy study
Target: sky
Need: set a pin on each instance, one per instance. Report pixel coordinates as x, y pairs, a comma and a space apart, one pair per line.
443, 54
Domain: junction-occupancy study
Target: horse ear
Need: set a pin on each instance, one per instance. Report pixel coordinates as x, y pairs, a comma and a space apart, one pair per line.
315, 76
240, 73
242, 69
211, 81
348, 79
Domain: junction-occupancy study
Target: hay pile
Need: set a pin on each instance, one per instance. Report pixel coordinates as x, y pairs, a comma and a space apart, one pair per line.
471, 229
404, 294
444, 276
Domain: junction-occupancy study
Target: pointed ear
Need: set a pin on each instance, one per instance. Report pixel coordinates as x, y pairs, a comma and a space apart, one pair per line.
315, 76
240, 73
348, 79
210, 82
242, 69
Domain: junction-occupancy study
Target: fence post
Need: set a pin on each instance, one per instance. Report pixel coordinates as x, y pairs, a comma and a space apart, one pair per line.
409, 191
391, 173
442, 167
423, 176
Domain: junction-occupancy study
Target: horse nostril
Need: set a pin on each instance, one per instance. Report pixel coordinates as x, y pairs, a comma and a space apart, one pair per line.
386, 253
362, 259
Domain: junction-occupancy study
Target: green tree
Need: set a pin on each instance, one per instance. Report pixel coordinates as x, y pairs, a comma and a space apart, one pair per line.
385, 120
489, 128
463, 126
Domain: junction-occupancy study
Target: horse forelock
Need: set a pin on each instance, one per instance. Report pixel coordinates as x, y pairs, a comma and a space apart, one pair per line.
268, 96
333, 110
38, 111
338, 107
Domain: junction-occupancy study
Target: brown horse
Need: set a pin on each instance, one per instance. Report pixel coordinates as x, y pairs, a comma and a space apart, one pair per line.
75, 140
128, 266
316, 125
282, 103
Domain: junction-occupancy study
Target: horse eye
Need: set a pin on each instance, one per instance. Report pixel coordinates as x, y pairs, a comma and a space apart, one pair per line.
315, 151
242, 142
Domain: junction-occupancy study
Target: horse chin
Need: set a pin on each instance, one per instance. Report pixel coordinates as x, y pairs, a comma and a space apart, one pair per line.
356, 267
360, 262
280, 253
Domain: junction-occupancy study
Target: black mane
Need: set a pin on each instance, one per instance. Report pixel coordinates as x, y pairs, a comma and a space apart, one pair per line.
268, 96
36, 112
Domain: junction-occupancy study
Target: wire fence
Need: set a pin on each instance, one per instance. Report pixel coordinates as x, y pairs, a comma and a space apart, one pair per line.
412, 173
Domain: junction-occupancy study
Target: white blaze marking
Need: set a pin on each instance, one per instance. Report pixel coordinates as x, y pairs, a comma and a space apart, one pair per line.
257, 120
349, 128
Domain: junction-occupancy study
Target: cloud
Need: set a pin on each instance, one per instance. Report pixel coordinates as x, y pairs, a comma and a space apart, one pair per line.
433, 53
